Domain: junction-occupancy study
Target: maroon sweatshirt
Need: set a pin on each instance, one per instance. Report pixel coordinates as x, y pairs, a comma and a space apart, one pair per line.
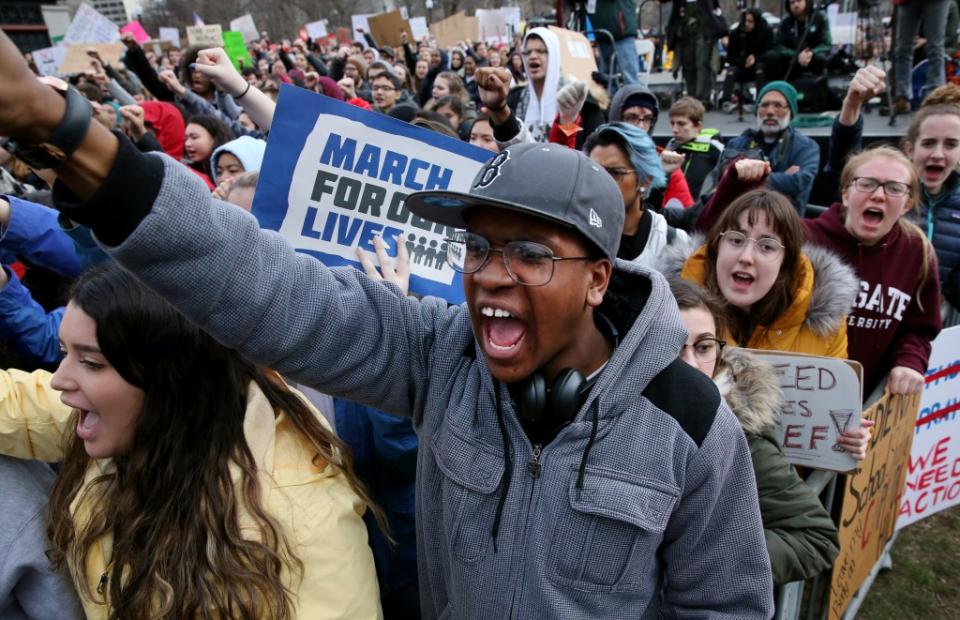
894, 319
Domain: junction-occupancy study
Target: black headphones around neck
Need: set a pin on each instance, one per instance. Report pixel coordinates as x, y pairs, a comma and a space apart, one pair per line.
543, 408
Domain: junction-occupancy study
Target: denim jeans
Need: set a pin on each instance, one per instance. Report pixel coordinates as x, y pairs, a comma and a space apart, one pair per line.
628, 61
909, 14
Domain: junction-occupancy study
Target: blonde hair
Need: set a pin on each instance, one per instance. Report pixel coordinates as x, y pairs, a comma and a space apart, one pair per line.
909, 228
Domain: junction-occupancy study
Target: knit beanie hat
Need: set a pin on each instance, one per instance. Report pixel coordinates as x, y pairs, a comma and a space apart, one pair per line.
785, 89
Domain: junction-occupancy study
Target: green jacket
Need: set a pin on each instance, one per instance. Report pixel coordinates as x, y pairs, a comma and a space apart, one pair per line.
791, 31
617, 16
801, 538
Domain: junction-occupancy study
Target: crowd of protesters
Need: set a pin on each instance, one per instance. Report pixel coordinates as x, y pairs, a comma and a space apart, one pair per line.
240, 431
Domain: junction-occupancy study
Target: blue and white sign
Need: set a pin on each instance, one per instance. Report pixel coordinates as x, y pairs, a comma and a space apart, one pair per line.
335, 176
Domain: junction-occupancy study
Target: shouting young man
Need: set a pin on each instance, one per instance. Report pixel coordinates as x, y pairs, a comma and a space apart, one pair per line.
569, 467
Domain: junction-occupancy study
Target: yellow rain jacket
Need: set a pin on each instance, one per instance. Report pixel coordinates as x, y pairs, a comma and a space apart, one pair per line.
318, 511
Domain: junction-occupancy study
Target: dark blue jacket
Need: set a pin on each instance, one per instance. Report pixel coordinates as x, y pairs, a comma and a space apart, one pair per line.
27, 326
794, 149
34, 234
384, 450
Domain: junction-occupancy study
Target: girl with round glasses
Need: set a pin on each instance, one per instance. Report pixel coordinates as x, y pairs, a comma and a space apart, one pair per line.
801, 538
779, 294
896, 312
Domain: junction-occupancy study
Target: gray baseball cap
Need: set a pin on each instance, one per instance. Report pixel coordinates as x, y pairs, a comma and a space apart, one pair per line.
550, 181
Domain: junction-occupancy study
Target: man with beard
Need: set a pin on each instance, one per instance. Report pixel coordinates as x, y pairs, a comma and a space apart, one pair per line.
794, 158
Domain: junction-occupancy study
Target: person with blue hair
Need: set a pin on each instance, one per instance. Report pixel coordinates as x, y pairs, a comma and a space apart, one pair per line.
631, 158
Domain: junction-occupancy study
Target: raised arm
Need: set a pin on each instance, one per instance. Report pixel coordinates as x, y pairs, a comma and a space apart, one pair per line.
31, 231
32, 418
740, 177
214, 64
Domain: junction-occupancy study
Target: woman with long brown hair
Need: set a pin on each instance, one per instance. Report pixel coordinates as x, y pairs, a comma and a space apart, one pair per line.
193, 483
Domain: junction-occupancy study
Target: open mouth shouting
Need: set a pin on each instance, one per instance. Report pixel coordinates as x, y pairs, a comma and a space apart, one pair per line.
934, 173
87, 424
502, 333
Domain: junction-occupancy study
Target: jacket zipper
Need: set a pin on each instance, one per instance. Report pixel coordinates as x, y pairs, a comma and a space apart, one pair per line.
534, 466
534, 470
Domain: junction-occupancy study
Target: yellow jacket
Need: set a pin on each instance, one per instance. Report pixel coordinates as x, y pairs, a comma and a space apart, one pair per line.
815, 323
318, 511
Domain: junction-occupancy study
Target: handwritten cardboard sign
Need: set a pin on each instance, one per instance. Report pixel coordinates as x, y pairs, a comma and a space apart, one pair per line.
822, 398
577, 61
49, 59
90, 26
76, 60
933, 472
386, 29
871, 498
210, 35
458, 27
334, 176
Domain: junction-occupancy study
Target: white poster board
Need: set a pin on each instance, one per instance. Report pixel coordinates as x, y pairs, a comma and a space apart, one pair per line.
492, 24
419, 27
358, 22
933, 472
317, 30
823, 398
89, 26
48, 59
205, 36
245, 24
512, 16
170, 34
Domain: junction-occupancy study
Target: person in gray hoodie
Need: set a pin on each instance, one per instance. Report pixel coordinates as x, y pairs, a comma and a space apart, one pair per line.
29, 587
623, 490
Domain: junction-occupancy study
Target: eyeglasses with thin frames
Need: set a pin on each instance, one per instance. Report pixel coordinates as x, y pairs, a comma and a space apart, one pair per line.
526, 262
767, 248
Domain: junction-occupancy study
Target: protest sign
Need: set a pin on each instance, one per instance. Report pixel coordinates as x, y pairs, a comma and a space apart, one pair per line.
236, 48
933, 472
418, 26
577, 62
136, 29
358, 23
210, 35
317, 30
492, 24
334, 176
386, 29
511, 15
89, 26
49, 59
343, 35
822, 399
458, 27
871, 497
244, 24
170, 34
76, 60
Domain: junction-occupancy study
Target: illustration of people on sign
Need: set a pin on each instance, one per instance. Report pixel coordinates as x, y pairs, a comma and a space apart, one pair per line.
426, 254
